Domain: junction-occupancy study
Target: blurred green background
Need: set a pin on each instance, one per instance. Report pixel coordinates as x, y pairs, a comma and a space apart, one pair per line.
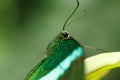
27, 27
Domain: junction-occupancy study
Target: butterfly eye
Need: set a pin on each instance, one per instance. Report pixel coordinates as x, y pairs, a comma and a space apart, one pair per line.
65, 34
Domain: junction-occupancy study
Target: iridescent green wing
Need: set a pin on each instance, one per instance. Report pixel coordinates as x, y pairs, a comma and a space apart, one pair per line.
64, 56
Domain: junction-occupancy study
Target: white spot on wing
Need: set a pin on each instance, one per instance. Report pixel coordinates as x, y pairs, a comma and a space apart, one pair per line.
63, 66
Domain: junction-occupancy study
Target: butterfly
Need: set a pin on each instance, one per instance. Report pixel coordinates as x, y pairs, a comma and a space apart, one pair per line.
64, 60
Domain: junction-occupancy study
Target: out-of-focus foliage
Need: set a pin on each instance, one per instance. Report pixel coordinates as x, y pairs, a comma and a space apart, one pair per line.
27, 26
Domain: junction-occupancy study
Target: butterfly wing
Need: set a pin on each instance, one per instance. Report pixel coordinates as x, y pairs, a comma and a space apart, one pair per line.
64, 62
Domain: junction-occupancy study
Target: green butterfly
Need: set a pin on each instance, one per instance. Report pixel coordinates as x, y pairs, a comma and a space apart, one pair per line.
64, 61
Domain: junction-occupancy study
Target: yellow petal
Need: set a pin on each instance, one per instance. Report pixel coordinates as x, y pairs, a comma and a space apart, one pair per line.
98, 66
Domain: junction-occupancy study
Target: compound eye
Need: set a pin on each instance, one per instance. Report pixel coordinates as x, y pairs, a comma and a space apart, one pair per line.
65, 34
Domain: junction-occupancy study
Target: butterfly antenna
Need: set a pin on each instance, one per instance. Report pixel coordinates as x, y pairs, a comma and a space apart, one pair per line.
96, 49
84, 12
64, 26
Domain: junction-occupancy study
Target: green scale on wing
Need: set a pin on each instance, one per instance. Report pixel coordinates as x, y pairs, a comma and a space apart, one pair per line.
57, 52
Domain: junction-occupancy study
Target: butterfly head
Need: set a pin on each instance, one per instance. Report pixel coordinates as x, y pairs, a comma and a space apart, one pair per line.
65, 35
60, 38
